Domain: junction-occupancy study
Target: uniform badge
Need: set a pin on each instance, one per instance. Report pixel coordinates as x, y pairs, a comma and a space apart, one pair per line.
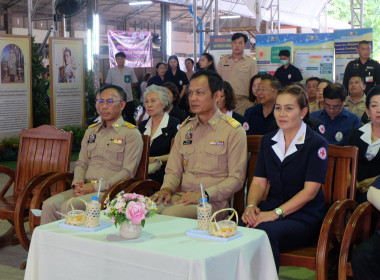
91, 138
289, 76
185, 163
321, 129
187, 142
322, 154
188, 136
339, 136
116, 140
218, 143
189, 128
246, 126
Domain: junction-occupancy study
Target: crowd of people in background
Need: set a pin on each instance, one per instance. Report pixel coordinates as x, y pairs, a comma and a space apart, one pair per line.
315, 113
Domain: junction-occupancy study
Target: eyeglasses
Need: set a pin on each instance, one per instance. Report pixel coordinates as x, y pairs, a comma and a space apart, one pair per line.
107, 101
332, 107
264, 90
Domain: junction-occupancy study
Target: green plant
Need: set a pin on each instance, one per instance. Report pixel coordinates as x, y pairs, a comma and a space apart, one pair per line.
78, 132
10, 148
41, 110
90, 94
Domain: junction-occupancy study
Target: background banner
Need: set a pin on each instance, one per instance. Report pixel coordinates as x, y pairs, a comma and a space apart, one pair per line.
137, 46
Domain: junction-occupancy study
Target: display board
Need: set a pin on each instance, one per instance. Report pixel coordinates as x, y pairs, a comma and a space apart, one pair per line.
67, 80
15, 85
346, 42
137, 47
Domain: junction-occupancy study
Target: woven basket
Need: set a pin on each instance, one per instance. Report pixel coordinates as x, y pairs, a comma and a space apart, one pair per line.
75, 217
224, 228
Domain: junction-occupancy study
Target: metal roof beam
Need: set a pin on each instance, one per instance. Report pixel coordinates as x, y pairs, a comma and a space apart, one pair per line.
356, 13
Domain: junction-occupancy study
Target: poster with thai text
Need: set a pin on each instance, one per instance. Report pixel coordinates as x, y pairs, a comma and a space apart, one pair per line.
346, 42
137, 46
15, 85
67, 100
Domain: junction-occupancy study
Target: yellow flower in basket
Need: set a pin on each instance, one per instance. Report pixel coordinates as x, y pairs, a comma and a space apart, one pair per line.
224, 228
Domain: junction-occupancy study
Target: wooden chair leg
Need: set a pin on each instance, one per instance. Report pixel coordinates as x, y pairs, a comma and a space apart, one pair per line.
9, 238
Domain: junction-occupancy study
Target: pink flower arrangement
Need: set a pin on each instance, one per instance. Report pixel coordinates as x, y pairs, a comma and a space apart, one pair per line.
129, 207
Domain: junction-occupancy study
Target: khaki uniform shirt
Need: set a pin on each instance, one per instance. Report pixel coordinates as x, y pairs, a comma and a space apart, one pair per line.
314, 106
112, 153
358, 108
238, 73
214, 154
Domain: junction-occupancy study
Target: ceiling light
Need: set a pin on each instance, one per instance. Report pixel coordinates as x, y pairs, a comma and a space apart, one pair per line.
229, 16
140, 3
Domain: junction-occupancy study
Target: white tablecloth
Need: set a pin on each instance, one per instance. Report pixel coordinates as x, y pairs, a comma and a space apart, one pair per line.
163, 251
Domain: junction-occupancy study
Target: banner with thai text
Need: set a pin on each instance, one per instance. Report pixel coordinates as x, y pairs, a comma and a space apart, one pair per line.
137, 46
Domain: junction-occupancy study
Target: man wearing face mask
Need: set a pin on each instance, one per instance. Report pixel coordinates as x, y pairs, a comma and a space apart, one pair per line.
287, 73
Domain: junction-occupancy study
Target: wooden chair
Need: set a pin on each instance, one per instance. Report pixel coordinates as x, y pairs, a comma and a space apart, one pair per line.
239, 201
341, 162
359, 228
42, 152
43, 192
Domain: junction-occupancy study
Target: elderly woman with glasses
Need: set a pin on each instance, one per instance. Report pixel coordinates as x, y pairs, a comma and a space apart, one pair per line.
160, 127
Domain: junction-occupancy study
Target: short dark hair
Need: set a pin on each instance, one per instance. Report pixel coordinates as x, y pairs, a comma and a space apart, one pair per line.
363, 42
239, 35
324, 81
359, 76
274, 82
120, 91
313, 79
373, 92
120, 54
159, 64
209, 57
215, 81
334, 91
192, 61
229, 96
251, 96
284, 53
174, 89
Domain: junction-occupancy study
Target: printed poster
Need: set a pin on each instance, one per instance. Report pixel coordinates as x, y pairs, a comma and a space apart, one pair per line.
267, 49
137, 46
15, 85
67, 100
346, 42
314, 55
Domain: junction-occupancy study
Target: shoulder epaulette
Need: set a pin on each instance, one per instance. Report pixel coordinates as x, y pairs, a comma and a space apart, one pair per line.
127, 124
94, 124
185, 122
234, 123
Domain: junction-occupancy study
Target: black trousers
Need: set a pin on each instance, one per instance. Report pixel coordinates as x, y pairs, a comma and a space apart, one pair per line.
129, 112
366, 259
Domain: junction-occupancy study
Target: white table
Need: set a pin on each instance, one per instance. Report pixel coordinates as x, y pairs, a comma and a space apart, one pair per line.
163, 251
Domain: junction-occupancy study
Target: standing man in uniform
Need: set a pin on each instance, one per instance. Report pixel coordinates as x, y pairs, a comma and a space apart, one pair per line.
363, 66
338, 122
111, 150
209, 149
238, 69
124, 77
287, 74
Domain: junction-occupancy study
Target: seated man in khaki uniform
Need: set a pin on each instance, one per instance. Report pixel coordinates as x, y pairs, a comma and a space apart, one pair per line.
209, 149
110, 150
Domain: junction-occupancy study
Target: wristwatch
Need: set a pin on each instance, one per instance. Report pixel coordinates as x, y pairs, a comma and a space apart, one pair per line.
280, 213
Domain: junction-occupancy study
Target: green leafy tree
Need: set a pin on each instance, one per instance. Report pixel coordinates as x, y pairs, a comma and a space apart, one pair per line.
91, 91
41, 110
341, 10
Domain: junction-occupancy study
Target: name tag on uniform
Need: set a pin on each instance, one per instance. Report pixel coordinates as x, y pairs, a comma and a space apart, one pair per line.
369, 79
187, 142
226, 65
